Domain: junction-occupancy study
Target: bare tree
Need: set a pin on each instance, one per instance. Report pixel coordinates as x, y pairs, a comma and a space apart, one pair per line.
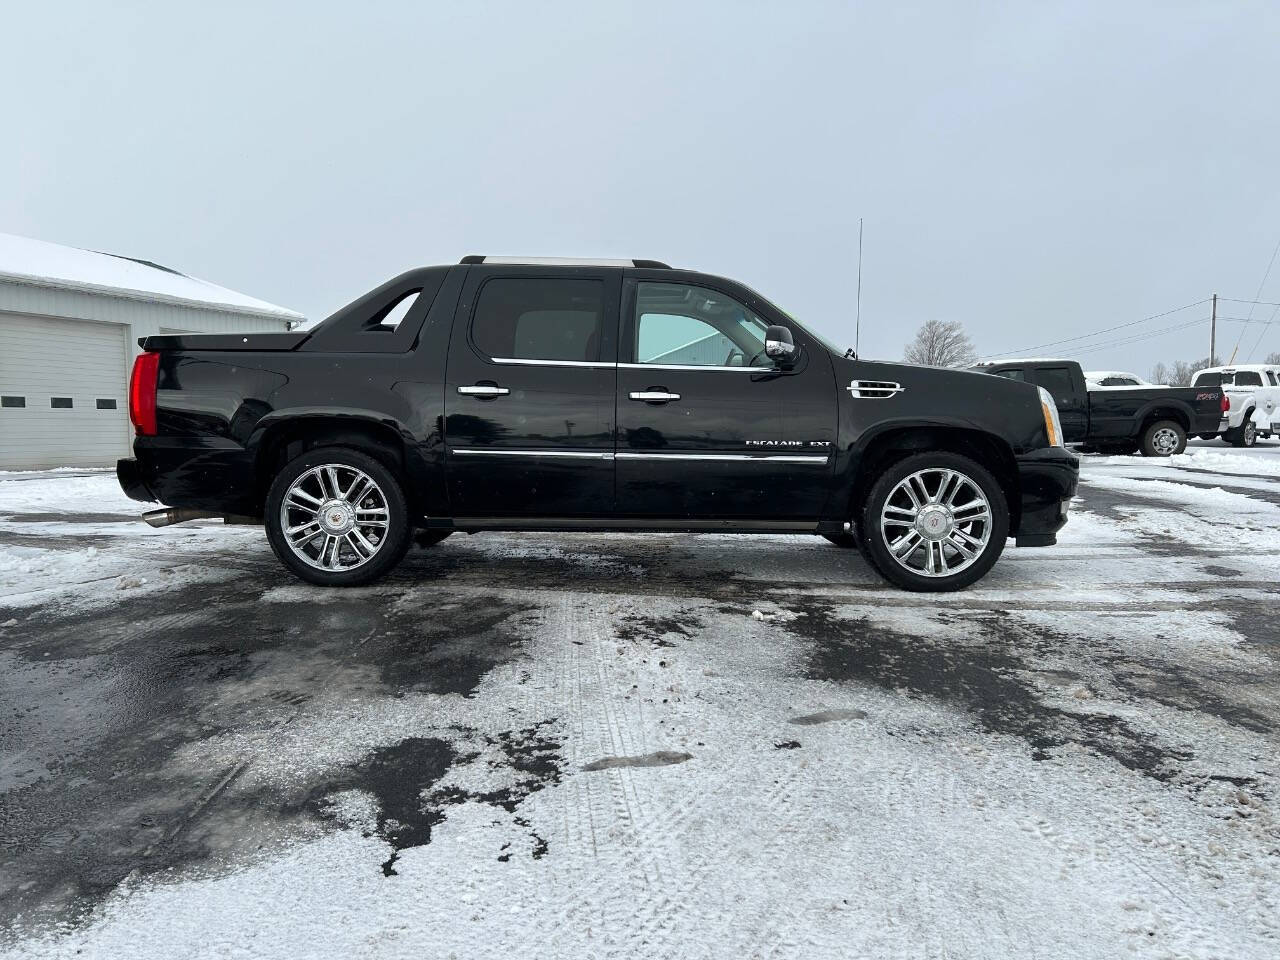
1180, 372
1273, 357
941, 343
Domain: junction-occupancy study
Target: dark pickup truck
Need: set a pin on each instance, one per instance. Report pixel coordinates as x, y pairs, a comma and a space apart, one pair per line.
1154, 420
584, 396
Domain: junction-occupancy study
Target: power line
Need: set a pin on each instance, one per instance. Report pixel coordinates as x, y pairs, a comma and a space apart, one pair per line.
1137, 338
1270, 263
1086, 336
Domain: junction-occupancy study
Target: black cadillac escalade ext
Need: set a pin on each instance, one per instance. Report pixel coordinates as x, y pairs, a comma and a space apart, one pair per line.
503, 394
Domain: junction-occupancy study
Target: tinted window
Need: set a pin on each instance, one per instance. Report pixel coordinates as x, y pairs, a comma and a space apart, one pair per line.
13, 401
60, 403
1211, 379
1248, 378
1057, 380
396, 312
1014, 374
1271, 377
684, 325
547, 319
106, 404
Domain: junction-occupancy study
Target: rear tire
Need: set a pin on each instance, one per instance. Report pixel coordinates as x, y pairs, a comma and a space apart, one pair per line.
958, 518
1245, 435
1164, 438
336, 517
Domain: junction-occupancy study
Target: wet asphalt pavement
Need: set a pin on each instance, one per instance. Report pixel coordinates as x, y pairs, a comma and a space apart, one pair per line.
106, 705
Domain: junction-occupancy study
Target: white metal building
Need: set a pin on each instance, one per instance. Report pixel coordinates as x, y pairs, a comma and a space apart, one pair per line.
70, 320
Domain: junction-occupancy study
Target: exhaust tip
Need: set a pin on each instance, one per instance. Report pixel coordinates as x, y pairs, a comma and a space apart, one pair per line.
172, 515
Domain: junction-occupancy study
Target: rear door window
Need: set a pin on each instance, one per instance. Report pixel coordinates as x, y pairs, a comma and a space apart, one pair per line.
1248, 378
548, 319
1057, 380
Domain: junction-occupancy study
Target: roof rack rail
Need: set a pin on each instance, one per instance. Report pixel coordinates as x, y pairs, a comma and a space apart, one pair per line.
567, 262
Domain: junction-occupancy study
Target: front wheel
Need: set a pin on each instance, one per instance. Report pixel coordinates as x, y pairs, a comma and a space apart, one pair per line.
337, 517
934, 522
1163, 438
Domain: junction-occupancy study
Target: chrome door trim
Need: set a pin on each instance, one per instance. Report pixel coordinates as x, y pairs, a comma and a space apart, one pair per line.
499, 452
732, 457
518, 362
479, 390
693, 366
652, 395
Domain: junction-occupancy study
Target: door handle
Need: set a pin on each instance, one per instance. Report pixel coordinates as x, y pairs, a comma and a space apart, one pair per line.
483, 390
654, 396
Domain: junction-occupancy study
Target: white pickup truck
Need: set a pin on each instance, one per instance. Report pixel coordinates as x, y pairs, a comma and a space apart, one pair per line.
1254, 392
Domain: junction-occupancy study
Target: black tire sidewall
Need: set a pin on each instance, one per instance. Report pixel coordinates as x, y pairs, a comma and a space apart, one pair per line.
878, 552
1148, 448
399, 530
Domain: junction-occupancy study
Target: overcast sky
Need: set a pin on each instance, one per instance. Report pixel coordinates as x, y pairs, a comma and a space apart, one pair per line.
1035, 171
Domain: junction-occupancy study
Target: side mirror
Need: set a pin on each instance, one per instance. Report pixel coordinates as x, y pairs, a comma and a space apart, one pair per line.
779, 346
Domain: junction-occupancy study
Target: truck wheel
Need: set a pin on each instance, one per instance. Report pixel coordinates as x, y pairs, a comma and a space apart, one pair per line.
1245, 435
337, 517
1163, 438
845, 540
934, 522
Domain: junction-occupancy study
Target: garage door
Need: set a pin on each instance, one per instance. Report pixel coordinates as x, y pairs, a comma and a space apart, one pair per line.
62, 393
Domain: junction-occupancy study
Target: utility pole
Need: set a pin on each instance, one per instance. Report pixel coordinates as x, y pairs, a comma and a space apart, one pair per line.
1213, 332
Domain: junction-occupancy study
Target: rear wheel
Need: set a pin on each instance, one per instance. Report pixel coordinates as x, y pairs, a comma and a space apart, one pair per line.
1163, 438
337, 517
1245, 435
934, 522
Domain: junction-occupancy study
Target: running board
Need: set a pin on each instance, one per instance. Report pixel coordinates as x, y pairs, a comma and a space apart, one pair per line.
633, 525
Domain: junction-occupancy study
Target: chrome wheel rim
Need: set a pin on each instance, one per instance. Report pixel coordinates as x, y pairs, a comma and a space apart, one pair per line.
936, 522
1165, 441
1250, 434
334, 517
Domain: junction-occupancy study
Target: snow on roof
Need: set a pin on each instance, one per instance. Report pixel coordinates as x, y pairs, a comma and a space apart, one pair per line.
52, 265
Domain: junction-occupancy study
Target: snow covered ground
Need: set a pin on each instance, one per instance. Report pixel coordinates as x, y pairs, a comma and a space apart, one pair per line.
637, 746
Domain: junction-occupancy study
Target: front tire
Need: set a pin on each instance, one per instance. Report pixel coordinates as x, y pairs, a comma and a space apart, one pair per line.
336, 517
1164, 438
934, 522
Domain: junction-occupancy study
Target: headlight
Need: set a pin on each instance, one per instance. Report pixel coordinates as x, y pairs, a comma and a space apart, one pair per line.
1052, 425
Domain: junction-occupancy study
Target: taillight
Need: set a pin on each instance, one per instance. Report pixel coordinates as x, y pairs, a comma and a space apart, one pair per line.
142, 393
1226, 402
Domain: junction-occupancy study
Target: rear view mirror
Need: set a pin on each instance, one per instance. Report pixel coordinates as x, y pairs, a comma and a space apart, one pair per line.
779, 346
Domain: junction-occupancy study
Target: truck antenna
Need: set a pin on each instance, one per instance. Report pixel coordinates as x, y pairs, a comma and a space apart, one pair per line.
857, 323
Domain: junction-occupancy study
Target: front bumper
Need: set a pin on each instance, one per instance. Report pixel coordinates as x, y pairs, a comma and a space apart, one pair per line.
129, 473
1047, 480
